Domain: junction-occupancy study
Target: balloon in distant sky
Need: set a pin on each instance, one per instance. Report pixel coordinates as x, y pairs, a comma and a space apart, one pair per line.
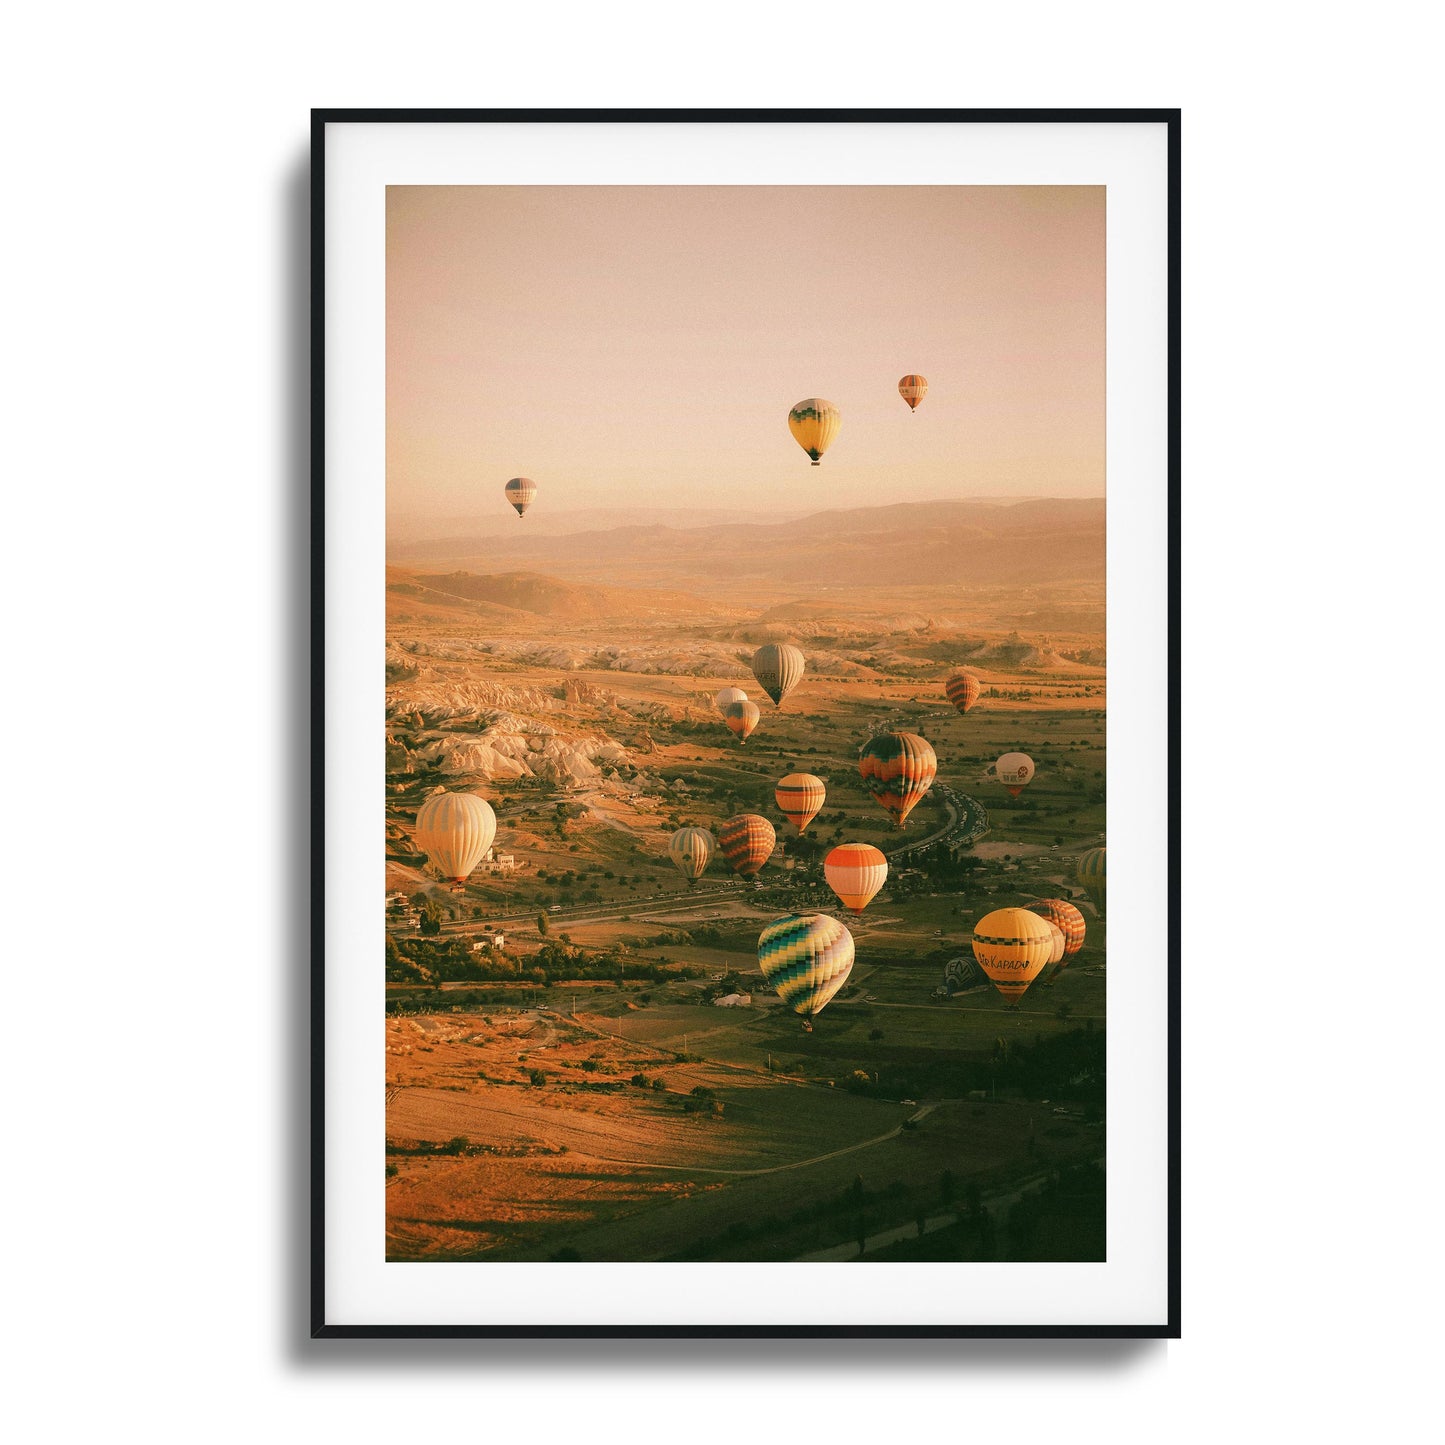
691, 849
455, 830
898, 769
814, 423
913, 388
1090, 873
520, 491
742, 718
855, 872
1015, 771
1066, 917
1012, 947
779, 668
806, 958
747, 842
799, 797
727, 695
963, 688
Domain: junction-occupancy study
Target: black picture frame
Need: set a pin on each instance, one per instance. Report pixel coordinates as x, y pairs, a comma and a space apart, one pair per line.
320, 1327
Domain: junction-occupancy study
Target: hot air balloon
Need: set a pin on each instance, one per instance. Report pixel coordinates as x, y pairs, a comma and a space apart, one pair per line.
855, 872
963, 688
520, 491
1066, 917
779, 669
1012, 947
814, 423
455, 830
1057, 945
806, 958
1090, 872
898, 769
742, 718
747, 842
913, 388
1015, 771
729, 695
799, 797
691, 850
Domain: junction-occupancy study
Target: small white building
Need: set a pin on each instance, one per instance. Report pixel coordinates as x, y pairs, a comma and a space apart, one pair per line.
733, 1000
489, 940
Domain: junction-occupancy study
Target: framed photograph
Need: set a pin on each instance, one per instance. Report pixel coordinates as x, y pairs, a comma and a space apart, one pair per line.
746, 623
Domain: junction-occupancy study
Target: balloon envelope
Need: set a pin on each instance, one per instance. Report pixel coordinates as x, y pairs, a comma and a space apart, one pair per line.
814, 423
455, 830
806, 958
742, 718
1065, 916
747, 842
913, 388
1012, 947
799, 797
779, 667
691, 850
963, 688
898, 769
855, 872
728, 695
520, 491
1015, 771
1090, 872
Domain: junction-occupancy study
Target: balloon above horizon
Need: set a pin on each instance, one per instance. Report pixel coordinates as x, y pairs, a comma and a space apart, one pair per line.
814, 423
779, 668
520, 491
455, 830
806, 958
913, 388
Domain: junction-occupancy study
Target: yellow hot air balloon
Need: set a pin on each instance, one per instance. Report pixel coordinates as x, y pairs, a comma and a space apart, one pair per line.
799, 797
1090, 872
742, 718
520, 491
1015, 771
691, 850
1012, 947
780, 668
913, 388
728, 695
855, 872
455, 830
814, 423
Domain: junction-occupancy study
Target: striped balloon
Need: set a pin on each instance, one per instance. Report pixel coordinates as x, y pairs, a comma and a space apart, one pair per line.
1012, 947
455, 830
779, 669
1090, 872
814, 423
898, 769
691, 850
1056, 950
742, 718
729, 695
855, 872
800, 796
963, 688
1065, 917
1015, 771
913, 388
520, 491
747, 843
806, 958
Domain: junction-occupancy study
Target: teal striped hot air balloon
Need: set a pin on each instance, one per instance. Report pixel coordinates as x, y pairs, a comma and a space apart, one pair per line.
806, 958
1090, 873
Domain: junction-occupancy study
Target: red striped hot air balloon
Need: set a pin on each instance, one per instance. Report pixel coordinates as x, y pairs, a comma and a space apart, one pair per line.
1065, 917
898, 769
913, 388
741, 718
747, 842
963, 688
855, 872
800, 796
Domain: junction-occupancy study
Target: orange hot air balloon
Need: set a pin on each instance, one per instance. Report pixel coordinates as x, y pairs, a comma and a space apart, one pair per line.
799, 797
963, 688
855, 872
898, 769
1015, 771
742, 718
1064, 916
747, 842
1012, 947
913, 388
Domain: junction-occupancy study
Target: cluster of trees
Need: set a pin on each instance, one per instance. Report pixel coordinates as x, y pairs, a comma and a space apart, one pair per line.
431, 961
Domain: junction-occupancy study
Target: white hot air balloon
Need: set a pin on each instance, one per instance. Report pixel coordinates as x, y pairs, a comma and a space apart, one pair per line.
455, 830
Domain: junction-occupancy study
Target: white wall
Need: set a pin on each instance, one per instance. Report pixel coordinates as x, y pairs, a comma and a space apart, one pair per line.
154, 272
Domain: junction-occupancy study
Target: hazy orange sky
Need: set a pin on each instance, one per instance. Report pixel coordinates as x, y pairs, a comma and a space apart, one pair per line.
642, 345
